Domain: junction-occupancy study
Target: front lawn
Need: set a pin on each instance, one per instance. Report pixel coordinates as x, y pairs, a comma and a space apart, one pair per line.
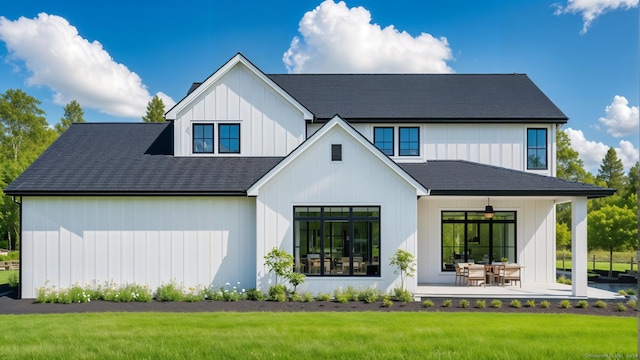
5, 274
319, 335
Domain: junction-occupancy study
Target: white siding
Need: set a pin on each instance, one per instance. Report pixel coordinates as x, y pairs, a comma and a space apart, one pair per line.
535, 235
95, 240
269, 124
360, 179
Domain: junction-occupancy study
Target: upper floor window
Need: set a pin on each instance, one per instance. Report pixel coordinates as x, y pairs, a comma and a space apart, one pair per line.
383, 139
336, 152
409, 141
229, 138
537, 149
203, 138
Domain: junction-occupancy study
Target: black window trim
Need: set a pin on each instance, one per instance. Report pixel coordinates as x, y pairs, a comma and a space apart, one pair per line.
546, 149
400, 139
220, 151
193, 137
393, 139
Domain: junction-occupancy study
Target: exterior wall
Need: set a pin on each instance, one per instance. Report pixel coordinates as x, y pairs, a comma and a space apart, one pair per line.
360, 179
95, 240
269, 125
503, 145
535, 236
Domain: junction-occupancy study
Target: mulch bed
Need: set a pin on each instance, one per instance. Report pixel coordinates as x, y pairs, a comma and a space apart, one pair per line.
10, 305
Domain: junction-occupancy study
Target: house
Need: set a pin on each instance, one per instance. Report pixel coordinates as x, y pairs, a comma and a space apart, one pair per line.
340, 170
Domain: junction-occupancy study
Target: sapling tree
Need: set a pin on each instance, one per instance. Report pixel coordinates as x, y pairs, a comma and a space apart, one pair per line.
405, 262
279, 262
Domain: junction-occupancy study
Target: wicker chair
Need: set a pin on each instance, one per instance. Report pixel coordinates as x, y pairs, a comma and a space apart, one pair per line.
512, 273
461, 272
476, 273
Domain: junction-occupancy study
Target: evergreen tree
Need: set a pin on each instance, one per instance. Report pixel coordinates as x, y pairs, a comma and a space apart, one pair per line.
612, 171
155, 110
632, 181
73, 113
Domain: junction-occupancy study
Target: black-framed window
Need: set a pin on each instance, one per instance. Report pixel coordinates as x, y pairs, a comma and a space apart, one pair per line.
203, 138
383, 139
409, 141
467, 236
537, 149
337, 240
229, 138
336, 152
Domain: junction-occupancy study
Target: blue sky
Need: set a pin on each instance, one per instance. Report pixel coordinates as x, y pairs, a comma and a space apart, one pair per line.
114, 56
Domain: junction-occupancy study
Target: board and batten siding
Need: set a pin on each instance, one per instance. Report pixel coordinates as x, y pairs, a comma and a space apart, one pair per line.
145, 240
503, 145
360, 179
269, 125
535, 232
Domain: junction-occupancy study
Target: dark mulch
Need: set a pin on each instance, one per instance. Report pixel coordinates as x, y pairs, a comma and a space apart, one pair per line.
10, 305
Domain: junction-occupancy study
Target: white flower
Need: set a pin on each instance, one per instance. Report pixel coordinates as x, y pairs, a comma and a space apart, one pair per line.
227, 284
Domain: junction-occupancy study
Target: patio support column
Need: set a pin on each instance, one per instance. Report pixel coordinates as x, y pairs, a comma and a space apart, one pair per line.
579, 247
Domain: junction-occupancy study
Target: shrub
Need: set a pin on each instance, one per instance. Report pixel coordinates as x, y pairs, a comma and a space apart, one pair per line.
165, 292
583, 304
14, 279
428, 303
563, 280
13, 255
296, 297
386, 301
464, 303
369, 295
295, 279
447, 303
496, 304
515, 303
403, 295
601, 304
213, 294
544, 304
307, 297
631, 291
277, 293
352, 293
622, 292
481, 304
255, 295
565, 304
633, 304
531, 303
620, 307
323, 297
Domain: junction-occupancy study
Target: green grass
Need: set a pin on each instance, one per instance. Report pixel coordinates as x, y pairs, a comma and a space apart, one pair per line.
600, 265
370, 335
4, 276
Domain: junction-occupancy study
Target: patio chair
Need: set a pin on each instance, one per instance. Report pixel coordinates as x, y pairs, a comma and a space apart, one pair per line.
512, 273
461, 272
476, 273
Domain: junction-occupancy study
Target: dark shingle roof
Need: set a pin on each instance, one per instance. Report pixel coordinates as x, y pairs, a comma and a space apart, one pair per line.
133, 158
421, 97
459, 178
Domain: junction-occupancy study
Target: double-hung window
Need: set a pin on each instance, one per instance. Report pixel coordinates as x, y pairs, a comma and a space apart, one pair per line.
383, 139
229, 138
409, 141
203, 138
537, 149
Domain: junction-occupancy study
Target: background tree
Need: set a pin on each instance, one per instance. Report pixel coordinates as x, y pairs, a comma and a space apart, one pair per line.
568, 162
632, 180
563, 236
612, 171
73, 113
155, 110
612, 228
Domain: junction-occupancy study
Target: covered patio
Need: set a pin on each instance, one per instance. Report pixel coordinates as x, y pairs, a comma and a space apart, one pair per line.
528, 291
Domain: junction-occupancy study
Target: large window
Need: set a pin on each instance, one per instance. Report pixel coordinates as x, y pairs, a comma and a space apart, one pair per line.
537, 149
409, 141
383, 139
229, 138
468, 236
203, 138
340, 241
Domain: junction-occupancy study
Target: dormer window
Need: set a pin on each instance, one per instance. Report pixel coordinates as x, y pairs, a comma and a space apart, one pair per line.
203, 138
229, 138
409, 141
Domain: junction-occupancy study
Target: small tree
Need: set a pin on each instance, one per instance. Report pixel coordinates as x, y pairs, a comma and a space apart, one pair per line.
73, 113
155, 110
405, 262
612, 228
280, 262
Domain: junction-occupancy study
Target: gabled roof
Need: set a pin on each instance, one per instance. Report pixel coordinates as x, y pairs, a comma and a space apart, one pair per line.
238, 59
133, 158
464, 178
337, 121
422, 97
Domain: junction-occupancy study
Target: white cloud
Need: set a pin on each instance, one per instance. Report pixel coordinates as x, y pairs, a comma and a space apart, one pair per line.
74, 68
591, 9
592, 152
621, 119
336, 38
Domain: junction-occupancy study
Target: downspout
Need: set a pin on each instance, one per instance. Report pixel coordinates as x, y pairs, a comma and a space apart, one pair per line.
19, 202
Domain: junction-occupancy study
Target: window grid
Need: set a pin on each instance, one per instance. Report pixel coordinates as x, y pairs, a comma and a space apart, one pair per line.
229, 138
537, 149
383, 139
409, 141
203, 138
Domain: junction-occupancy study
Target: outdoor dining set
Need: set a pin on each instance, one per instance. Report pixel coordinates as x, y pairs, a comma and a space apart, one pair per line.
492, 274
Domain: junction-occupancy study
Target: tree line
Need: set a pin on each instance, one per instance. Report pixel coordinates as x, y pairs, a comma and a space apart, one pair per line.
24, 135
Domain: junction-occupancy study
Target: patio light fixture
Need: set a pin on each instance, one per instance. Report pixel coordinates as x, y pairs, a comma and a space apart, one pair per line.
488, 210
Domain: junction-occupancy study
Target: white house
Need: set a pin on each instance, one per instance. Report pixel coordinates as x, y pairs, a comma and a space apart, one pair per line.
340, 170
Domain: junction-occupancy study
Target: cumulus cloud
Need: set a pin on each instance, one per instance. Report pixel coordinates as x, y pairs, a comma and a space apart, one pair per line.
74, 68
336, 38
592, 152
591, 9
621, 119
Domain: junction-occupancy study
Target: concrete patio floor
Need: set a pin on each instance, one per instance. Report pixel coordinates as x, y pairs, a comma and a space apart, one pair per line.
528, 291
